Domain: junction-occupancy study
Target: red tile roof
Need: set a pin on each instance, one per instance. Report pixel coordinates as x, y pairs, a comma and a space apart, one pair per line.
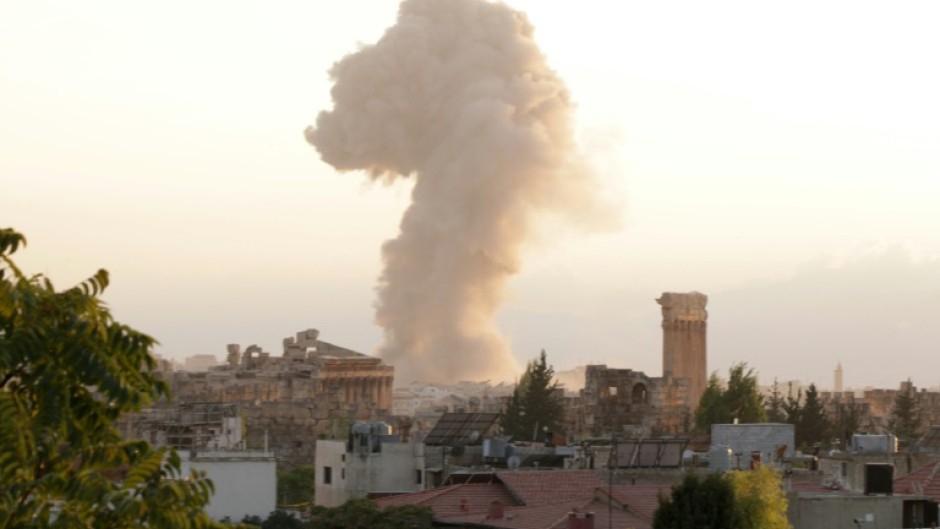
925, 481
539, 500
642, 500
454, 499
540, 487
555, 516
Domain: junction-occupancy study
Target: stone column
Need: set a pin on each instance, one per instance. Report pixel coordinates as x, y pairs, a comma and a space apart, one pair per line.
387, 393
684, 340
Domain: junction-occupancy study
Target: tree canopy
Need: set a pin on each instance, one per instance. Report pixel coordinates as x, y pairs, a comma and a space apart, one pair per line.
295, 487
760, 498
735, 500
364, 514
812, 425
905, 419
698, 503
740, 400
535, 404
68, 370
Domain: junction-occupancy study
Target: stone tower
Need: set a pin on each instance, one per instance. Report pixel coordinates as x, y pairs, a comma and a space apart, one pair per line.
684, 352
837, 383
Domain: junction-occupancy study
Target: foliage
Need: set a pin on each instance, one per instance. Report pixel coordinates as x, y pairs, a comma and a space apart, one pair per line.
295, 486
736, 500
905, 417
847, 422
741, 400
251, 520
775, 406
807, 415
760, 499
813, 425
535, 404
364, 514
698, 503
67, 372
282, 520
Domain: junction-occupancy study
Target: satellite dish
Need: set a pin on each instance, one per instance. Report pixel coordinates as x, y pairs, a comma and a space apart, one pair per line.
513, 462
473, 436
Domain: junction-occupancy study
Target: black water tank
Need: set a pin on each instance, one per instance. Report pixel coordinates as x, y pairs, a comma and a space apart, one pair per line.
879, 478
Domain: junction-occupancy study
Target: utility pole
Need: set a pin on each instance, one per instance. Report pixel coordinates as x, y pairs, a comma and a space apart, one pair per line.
611, 459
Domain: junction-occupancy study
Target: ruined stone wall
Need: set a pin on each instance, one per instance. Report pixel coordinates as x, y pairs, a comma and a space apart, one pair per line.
684, 340
292, 428
623, 401
313, 391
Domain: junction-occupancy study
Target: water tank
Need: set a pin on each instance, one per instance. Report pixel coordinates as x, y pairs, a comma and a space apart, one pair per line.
381, 428
495, 448
879, 478
361, 428
874, 444
720, 458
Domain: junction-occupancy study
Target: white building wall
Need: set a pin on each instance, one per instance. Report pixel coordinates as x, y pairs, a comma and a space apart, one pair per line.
332, 455
395, 468
743, 439
245, 482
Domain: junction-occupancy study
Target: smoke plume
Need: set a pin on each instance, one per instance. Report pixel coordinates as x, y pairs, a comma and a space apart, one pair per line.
457, 96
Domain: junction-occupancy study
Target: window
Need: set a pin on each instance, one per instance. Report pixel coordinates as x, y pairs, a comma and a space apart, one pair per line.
418, 476
327, 475
640, 395
342, 473
612, 391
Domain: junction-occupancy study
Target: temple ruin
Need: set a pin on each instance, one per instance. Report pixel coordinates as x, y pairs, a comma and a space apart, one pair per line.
624, 401
314, 390
684, 340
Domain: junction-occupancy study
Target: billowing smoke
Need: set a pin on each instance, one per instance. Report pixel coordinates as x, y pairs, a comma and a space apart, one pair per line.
458, 96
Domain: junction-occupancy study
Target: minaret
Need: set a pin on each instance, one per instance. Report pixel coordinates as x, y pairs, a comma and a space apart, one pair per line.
837, 383
684, 330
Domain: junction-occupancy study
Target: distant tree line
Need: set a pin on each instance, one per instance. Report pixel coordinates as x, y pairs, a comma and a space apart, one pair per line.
740, 399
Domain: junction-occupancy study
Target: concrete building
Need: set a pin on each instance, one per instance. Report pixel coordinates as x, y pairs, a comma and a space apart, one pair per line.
245, 481
828, 509
747, 444
371, 461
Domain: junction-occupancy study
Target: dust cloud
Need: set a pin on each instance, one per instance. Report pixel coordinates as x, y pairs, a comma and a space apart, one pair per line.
458, 97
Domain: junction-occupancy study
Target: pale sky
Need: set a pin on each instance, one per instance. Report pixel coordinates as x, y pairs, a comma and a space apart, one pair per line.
781, 158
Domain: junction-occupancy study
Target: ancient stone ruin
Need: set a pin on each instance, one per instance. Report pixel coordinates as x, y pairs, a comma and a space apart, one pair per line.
314, 390
624, 401
684, 340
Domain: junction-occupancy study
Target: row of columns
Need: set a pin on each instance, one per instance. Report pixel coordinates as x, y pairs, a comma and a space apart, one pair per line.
375, 390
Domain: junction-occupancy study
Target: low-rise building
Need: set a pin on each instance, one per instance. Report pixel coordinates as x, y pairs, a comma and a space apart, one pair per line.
372, 460
245, 481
